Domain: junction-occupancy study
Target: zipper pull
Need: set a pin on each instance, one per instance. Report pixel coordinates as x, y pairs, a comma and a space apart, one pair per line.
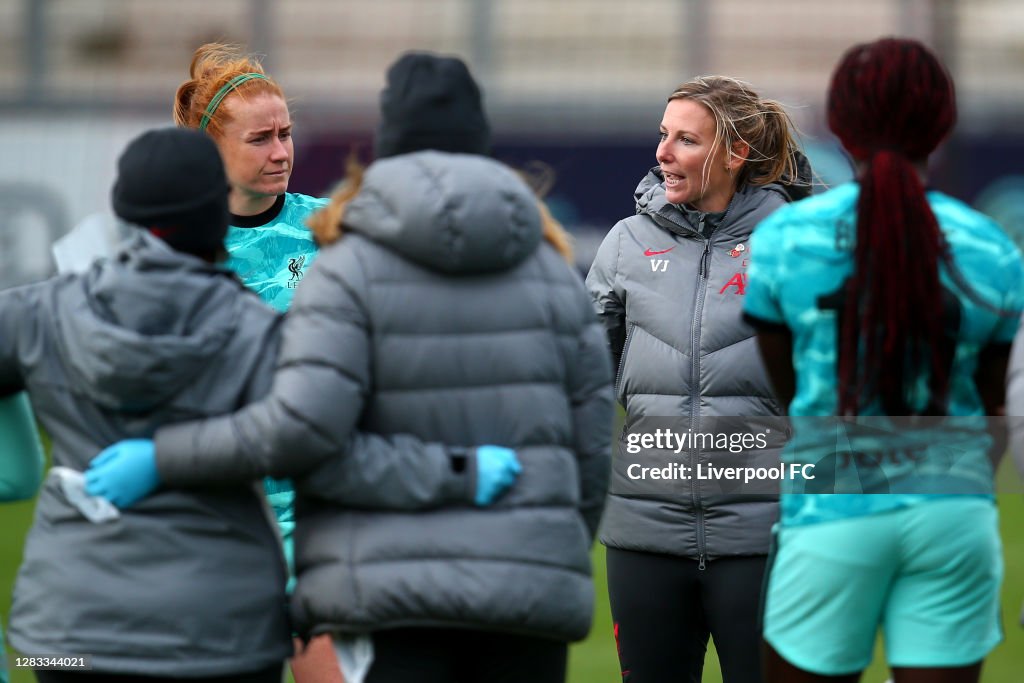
705, 262
701, 565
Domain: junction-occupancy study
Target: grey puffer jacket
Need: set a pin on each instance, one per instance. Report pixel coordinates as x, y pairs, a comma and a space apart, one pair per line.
439, 318
668, 284
183, 584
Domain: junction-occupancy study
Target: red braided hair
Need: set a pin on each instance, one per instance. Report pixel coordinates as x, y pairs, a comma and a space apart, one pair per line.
891, 103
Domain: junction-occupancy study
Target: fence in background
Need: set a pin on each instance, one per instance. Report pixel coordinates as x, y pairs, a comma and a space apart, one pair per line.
577, 84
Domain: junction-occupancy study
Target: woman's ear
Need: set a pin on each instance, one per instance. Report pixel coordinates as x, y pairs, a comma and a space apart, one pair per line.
737, 156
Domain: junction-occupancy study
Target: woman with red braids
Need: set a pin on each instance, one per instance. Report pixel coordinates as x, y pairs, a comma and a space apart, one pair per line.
864, 312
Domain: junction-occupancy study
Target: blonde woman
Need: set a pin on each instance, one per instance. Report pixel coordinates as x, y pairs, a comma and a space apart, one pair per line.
685, 562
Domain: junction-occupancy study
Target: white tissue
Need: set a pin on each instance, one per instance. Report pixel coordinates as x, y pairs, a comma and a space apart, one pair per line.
355, 656
96, 236
95, 508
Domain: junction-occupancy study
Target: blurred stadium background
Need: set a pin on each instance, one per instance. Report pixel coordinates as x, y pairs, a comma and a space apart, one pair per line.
577, 85
575, 90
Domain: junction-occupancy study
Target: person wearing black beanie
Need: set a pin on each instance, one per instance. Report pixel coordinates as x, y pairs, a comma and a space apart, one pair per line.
431, 102
155, 333
171, 181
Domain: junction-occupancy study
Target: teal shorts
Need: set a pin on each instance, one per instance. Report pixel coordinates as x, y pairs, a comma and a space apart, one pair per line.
282, 502
928, 575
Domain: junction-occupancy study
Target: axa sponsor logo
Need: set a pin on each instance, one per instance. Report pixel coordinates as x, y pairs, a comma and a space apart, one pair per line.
739, 281
659, 265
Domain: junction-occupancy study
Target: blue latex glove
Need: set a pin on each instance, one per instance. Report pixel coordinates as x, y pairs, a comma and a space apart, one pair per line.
124, 473
496, 470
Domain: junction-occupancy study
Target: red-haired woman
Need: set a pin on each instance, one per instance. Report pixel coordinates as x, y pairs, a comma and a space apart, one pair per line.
229, 96
892, 307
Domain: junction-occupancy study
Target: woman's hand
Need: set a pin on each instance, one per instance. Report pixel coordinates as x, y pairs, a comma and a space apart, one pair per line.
496, 470
124, 473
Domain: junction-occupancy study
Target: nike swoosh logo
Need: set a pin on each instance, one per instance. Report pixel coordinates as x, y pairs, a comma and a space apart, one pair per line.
651, 252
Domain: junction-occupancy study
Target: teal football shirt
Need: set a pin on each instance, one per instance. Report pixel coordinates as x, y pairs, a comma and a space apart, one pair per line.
271, 256
801, 256
270, 253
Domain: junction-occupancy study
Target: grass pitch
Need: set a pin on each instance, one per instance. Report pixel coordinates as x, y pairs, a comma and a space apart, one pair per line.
594, 660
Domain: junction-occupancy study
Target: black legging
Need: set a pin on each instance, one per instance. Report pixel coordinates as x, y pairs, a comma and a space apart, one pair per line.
665, 607
269, 675
443, 655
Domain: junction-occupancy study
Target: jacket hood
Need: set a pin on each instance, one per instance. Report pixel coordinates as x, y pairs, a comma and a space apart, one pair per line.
650, 197
138, 327
454, 213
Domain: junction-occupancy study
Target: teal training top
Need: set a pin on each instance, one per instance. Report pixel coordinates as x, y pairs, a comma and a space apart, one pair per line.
21, 464
801, 256
21, 453
270, 252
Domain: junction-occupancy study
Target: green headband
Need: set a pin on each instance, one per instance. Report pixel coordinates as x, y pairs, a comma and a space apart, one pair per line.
222, 93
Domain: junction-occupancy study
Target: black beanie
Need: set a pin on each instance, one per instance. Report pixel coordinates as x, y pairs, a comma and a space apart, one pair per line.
171, 181
431, 102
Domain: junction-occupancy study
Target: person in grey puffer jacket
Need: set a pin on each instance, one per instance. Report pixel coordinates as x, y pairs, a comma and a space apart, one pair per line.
189, 584
686, 558
439, 315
